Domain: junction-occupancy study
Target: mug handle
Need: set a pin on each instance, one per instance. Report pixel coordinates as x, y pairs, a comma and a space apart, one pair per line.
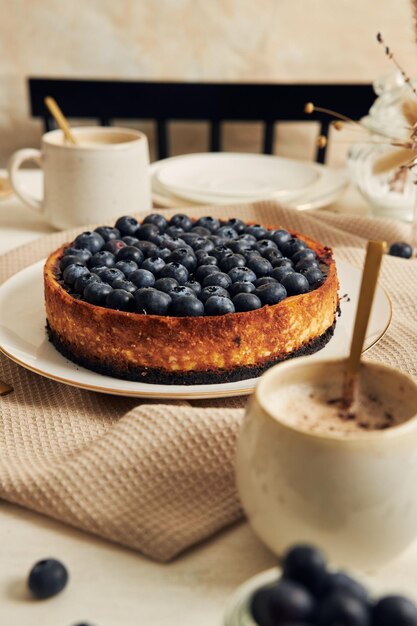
15, 162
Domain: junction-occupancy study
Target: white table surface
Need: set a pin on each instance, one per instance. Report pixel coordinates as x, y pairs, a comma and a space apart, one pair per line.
112, 586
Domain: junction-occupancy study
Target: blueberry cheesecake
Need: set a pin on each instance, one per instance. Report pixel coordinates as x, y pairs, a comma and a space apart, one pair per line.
189, 301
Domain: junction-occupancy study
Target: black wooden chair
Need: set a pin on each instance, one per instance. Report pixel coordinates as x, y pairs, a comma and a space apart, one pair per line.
105, 100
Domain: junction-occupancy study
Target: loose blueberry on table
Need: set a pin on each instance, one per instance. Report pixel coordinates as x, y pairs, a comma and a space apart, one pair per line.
47, 578
308, 594
189, 269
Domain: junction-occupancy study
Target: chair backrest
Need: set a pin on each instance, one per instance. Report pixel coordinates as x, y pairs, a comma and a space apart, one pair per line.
105, 100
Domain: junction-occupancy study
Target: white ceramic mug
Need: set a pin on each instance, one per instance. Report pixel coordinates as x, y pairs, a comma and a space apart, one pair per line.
105, 175
354, 496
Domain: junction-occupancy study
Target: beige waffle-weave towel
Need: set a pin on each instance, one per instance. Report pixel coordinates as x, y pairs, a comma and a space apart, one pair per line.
158, 477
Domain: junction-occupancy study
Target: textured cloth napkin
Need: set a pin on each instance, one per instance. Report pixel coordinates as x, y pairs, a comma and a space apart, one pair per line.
158, 476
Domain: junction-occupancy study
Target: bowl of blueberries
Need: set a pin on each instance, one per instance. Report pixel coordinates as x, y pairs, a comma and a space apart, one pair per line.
304, 591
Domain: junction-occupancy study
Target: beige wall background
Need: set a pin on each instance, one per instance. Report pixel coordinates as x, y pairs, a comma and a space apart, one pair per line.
233, 40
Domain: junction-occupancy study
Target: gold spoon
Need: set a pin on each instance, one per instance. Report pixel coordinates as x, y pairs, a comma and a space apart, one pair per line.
374, 253
60, 119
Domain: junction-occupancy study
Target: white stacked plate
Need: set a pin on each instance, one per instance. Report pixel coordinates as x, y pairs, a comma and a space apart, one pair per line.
224, 178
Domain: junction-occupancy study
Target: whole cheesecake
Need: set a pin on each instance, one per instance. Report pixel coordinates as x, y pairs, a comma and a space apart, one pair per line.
189, 302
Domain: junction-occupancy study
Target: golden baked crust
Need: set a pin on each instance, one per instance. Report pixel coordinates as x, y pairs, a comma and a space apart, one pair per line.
190, 349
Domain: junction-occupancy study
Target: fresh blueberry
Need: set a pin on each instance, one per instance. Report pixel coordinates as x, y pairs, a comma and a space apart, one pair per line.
211, 223
159, 239
104, 258
229, 262
96, 293
126, 285
239, 247
339, 581
218, 241
273, 255
130, 241
241, 287
114, 245
265, 244
174, 231
271, 293
181, 290
108, 232
84, 280
283, 262
108, 274
157, 219
202, 243
258, 231
218, 305
260, 607
236, 224
286, 601
207, 260
146, 231
280, 272
205, 270
201, 231
218, 279
91, 241
127, 225
130, 253
346, 610
120, 299
194, 285
127, 267
82, 253
166, 284
248, 238
394, 611
213, 290
200, 255
306, 565
47, 578
164, 253
181, 221
280, 236
261, 266
185, 256
142, 278
305, 264
293, 245
305, 253
152, 301
265, 280
74, 271
314, 276
219, 252
71, 259
175, 270
239, 274
246, 302
147, 248
187, 306
190, 238
401, 249
153, 264
227, 232
295, 283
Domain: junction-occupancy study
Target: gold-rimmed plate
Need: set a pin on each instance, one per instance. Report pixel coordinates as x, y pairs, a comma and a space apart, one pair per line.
23, 339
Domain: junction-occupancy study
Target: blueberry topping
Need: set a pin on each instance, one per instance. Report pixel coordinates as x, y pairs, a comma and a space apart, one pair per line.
248, 238
181, 290
283, 262
127, 225
271, 293
96, 293
185, 256
261, 266
401, 249
157, 219
187, 306
195, 286
130, 253
237, 225
238, 274
202, 243
239, 247
71, 259
166, 284
126, 285
280, 237
241, 287
265, 244
218, 241
102, 259
218, 279
305, 264
205, 270
153, 264
82, 253
219, 252
218, 305
74, 271
130, 241
345, 609
305, 253
273, 255
108, 232
394, 611
91, 241
231, 261
227, 232
265, 280
246, 302
314, 276
84, 280
120, 299
163, 253
152, 301
206, 260
293, 245
295, 284
213, 290
306, 565
47, 578
148, 248
210, 223
146, 231
279, 272
108, 274
257, 231
114, 245
175, 270
182, 221
142, 278
174, 231
127, 267
199, 230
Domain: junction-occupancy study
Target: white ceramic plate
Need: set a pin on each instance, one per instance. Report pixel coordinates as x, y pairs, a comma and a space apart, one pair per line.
230, 175
23, 339
329, 186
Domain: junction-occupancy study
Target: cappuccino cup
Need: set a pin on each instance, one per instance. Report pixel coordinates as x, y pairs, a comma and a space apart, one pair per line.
309, 472
105, 174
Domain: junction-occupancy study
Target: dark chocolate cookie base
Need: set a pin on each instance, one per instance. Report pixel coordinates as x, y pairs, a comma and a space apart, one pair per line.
161, 377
